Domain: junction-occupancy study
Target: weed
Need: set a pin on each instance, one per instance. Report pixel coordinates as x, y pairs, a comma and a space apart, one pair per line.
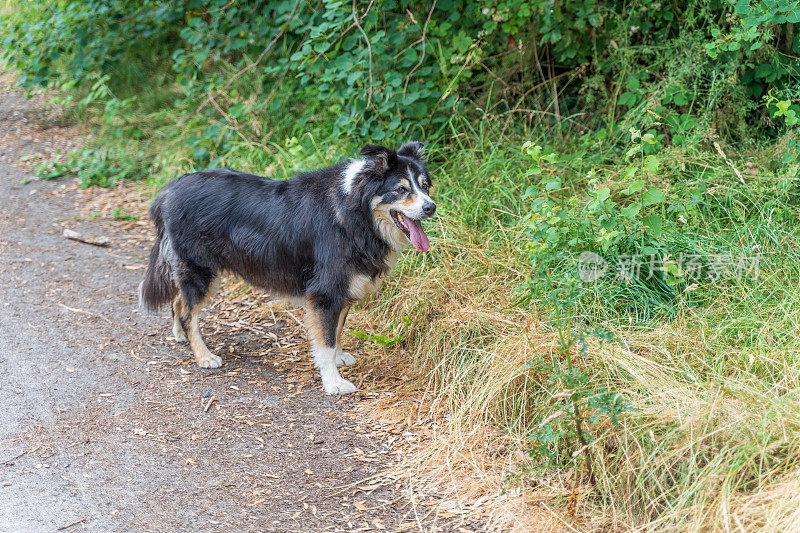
387, 341
118, 213
92, 166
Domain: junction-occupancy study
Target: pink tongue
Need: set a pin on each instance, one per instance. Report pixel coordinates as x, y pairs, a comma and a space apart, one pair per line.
418, 237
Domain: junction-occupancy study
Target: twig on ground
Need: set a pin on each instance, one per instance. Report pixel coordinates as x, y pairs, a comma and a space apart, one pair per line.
9, 462
75, 523
207, 406
75, 236
81, 311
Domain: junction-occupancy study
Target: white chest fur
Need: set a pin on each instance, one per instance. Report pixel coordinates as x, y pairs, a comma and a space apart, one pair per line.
362, 286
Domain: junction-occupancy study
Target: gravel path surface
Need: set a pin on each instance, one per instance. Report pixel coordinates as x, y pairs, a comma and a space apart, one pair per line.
103, 421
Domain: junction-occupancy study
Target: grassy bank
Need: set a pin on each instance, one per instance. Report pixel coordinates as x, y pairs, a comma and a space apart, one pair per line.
688, 416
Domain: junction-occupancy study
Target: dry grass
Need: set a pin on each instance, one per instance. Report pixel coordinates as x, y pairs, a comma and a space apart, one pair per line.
711, 442
466, 349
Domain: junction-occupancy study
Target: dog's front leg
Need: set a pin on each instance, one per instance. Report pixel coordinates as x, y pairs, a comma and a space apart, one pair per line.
342, 357
322, 321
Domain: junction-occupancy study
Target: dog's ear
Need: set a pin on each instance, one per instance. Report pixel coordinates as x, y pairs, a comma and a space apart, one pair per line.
382, 158
413, 149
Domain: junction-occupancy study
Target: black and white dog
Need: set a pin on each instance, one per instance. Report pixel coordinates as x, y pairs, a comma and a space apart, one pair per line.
325, 237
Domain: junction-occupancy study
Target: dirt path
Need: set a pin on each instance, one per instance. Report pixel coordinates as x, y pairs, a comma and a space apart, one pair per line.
102, 420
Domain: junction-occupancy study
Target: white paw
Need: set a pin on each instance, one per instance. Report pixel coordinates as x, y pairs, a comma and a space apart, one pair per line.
208, 360
338, 385
344, 358
178, 333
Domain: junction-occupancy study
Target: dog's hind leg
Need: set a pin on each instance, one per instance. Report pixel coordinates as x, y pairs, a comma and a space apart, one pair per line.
189, 322
322, 321
177, 330
195, 285
342, 357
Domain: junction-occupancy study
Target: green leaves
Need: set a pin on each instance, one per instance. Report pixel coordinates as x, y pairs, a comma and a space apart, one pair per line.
653, 224
101, 167
783, 109
634, 187
631, 211
653, 196
651, 164
602, 194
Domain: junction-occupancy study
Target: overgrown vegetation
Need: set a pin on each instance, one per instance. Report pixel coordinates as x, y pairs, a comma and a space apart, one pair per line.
613, 281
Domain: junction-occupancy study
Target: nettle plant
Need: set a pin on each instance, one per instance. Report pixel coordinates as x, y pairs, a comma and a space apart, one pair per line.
597, 222
621, 218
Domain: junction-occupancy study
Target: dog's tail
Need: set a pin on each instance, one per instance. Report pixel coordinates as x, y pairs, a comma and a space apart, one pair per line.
158, 287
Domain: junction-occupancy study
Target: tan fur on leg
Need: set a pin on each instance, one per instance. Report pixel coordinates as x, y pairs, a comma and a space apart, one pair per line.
324, 355
202, 354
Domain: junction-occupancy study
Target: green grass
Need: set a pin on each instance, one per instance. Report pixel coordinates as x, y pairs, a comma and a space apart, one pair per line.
711, 439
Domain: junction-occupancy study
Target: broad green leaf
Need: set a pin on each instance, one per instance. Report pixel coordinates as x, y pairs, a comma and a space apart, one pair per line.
653, 196
651, 164
764, 70
631, 211
635, 187
742, 7
322, 46
633, 150
653, 225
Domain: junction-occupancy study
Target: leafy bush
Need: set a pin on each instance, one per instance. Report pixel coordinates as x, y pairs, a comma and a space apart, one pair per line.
618, 229
401, 68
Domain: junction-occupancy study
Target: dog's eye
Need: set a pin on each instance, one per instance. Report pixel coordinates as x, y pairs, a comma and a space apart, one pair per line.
401, 190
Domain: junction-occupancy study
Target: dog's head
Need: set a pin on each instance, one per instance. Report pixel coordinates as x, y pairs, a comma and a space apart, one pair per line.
395, 189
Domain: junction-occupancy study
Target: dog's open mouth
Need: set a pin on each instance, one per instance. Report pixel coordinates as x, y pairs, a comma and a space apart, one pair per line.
413, 230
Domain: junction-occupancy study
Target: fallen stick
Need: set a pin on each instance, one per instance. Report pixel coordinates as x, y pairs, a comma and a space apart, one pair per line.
75, 236
75, 523
81, 311
208, 405
9, 462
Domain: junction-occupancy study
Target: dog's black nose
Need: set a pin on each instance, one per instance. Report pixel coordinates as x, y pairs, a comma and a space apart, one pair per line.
429, 208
